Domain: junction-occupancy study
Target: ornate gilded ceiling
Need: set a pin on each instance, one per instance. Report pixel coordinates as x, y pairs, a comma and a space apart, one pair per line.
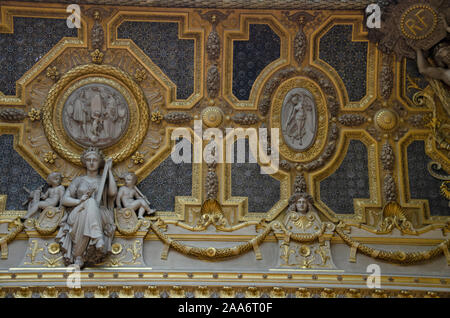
372, 164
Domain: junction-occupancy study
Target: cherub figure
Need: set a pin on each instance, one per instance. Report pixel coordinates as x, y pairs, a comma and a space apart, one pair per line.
130, 197
51, 198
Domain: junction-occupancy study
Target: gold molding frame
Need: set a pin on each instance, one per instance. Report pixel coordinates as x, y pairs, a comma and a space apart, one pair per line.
359, 215
185, 32
322, 118
358, 34
7, 13
245, 19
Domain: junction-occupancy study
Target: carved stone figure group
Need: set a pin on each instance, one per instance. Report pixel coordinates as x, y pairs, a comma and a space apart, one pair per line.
87, 229
95, 115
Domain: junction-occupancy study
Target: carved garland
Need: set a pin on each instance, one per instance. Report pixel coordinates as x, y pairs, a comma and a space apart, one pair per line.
18, 227
212, 252
399, 257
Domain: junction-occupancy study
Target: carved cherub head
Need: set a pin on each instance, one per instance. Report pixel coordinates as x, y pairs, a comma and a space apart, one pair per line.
54, 179
130, 179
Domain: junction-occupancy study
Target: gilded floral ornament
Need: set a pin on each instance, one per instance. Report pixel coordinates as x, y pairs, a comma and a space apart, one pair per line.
137, 158
52, 73
97, 56
156, 117
50, 157
34, 114
53, 248
212, 116
387, 121
116, 248
140, 75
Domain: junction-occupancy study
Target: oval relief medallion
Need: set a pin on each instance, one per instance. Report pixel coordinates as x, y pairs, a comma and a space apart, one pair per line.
299, 119
299, 110
95, 115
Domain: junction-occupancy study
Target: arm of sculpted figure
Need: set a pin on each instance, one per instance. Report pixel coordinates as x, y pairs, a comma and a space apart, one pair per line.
112, 186
119, 199
426, 69
69, 198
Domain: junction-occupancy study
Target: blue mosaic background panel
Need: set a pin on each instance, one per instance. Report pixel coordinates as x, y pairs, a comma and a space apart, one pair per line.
421, 184
262, 190
165, 182
160, 42
348, 58
349, 181
32, 39
413, 73
15, 174
252, 56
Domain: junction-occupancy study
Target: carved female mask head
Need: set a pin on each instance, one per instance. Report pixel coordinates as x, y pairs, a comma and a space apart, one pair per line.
301, 205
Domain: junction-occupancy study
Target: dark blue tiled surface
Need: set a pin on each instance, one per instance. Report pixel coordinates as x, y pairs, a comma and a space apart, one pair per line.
348, 58
349, 181
252, 56
15, 173
159, 40
262, 190
32, 39
421, 184
165, 182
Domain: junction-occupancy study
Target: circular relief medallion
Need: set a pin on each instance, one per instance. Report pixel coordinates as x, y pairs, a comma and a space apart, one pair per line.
95, 106
95, 115
418, 22
299, 111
